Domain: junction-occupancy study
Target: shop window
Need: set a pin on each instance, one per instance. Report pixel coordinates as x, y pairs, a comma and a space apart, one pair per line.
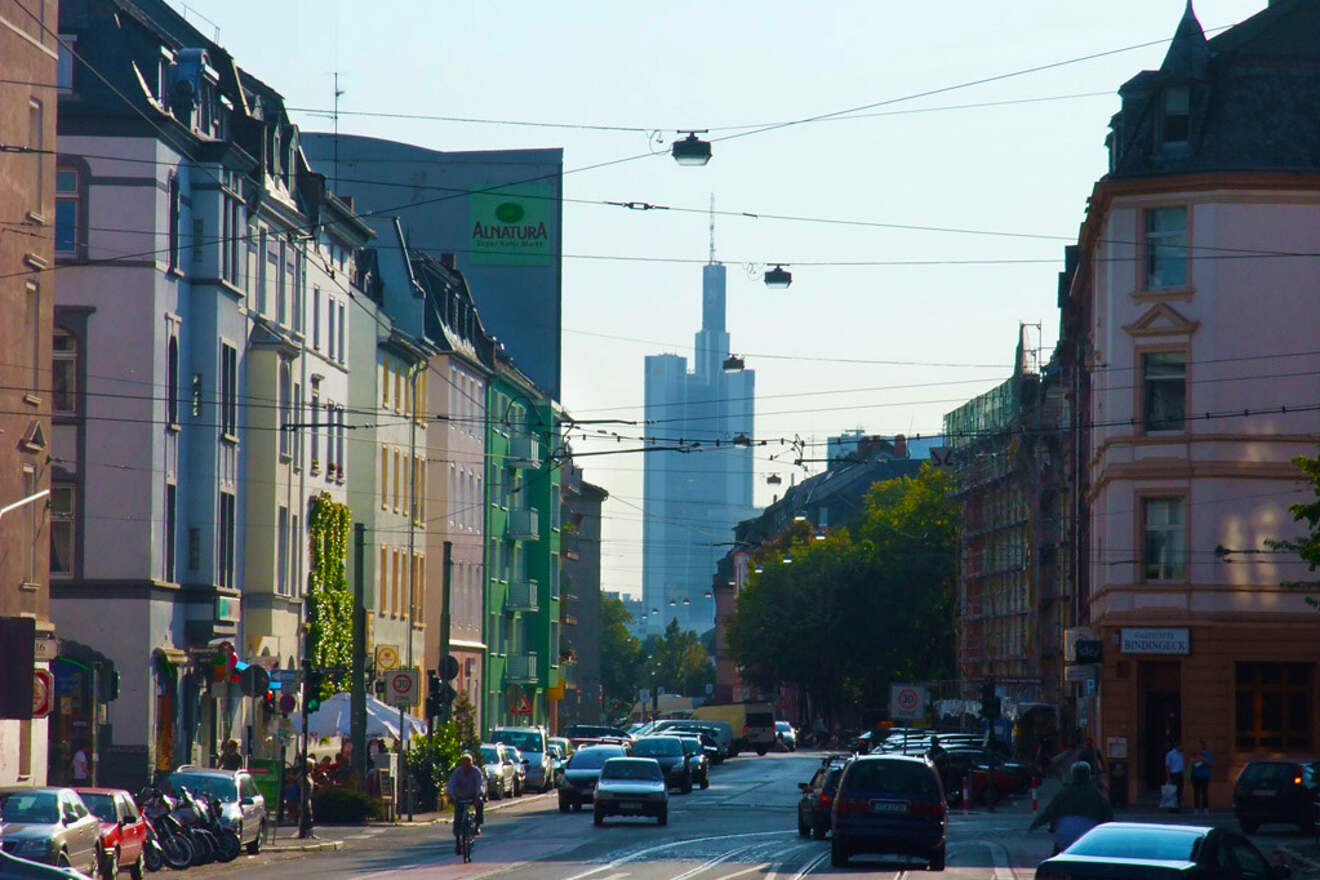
1166, 248
1273, 706
1164, 551
1164, 391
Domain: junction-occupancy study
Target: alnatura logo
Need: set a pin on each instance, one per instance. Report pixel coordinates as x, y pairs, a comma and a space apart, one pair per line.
509, 212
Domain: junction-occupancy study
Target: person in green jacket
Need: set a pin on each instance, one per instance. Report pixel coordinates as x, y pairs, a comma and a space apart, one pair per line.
1077, 808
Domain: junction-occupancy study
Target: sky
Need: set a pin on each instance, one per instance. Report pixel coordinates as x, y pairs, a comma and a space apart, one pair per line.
961, 182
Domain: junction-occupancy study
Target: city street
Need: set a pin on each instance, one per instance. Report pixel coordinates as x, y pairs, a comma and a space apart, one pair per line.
741, 828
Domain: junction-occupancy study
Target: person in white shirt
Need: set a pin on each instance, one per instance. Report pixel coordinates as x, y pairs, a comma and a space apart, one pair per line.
80, 766
1176, 764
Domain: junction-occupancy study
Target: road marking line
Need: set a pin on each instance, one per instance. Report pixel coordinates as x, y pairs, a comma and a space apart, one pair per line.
633, 856
759, 867
811, 866
710, 863
619, 876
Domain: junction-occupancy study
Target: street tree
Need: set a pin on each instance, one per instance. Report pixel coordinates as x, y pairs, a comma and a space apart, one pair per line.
620, 656
1308, 545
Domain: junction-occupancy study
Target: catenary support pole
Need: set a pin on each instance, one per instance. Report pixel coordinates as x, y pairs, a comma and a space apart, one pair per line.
358, 684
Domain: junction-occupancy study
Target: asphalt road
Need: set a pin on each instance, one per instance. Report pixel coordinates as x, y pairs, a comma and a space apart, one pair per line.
742, 828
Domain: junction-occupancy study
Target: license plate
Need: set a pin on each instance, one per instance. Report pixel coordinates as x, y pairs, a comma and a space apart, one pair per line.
630, 808
889, 806
1264, 792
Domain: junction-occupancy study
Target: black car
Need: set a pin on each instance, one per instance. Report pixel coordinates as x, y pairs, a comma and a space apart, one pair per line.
709, 743
698, 761
668, 753
889, 804
577, 784
1138, 851
1278, 791
817, 798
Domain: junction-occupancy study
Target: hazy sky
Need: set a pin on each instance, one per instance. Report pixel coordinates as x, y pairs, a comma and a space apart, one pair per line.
907, 342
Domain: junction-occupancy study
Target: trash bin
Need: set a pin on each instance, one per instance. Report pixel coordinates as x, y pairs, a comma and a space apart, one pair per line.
1118, 783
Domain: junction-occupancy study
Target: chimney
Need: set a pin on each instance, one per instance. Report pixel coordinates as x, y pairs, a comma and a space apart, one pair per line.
900, 446
447, 260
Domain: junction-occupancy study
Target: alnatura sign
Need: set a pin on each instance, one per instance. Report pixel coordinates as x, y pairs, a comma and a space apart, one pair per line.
511, 228
1156, 641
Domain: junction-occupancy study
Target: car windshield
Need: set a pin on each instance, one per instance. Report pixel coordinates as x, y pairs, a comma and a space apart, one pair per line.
102, 806
660, 746
1127, 842
590, 731
38, 806
891, 777
1271, 771
783, 725
222, 788
832, 781
490, 755
523, 740
691, 745
760, 719
625, 769
592, 759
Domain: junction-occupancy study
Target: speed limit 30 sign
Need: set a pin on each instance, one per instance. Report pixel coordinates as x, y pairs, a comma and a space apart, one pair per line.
402, 687
907, 701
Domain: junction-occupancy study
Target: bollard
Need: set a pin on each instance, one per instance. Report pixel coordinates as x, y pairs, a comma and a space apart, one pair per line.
967, 796
1034, 804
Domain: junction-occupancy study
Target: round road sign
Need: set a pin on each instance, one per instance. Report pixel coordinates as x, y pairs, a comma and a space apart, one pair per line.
287, 704
908, 699
387, 656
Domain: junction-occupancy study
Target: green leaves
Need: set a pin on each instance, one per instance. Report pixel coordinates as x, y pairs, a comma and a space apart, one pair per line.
329, 600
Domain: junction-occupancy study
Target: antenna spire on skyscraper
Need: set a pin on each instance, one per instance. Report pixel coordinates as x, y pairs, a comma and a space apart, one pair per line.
712, 227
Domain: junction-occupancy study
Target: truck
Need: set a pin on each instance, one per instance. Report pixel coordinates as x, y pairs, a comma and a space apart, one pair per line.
753, 724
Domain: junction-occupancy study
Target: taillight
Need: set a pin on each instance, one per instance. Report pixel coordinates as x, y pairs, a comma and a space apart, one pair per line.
826, 800
930, 810
746, 728
1297, 780
847, 805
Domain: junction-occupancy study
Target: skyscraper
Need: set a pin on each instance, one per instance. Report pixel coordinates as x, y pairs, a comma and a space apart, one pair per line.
692, 501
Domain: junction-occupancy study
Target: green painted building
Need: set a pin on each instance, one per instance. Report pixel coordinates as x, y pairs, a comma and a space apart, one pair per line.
522, 676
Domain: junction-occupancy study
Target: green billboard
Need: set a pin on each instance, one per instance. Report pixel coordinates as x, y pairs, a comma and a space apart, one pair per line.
512, 228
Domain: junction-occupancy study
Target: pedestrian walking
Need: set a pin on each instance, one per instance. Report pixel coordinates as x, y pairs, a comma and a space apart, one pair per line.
1176, 765
1202, 763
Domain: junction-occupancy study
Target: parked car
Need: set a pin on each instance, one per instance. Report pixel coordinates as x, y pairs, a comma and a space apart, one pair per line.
818, 797
13, 868
889, 804
1278, 791
578, 784
709, 744
50, 825
1140, 851
786, 735
497, 764
242, 806
123, 830
697, 761
667, 751
531, 743
558, 749
515, 759
631, 787
598, 731
720, 731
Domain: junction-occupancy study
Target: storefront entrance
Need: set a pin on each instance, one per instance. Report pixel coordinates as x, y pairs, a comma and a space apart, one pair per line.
1161, 718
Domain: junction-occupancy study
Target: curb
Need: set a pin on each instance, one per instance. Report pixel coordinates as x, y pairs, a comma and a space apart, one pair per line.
314, 846
1298, 857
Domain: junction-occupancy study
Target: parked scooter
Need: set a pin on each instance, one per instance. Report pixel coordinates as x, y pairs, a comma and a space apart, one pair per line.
227, 840
167, 842
191, 813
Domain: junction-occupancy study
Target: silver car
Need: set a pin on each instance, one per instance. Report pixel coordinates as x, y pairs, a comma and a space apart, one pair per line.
498, 767
631, 787
50, 825
242, 806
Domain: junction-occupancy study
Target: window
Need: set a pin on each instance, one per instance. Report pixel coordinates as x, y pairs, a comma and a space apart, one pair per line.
1177, 119
256, 242
295, 550
174, 220
398, 389
555, 512
419, 590
554, 576
398, 480
229, 391
421, 493
282, 552
330, 327
343, 432
385, 377
316, 318
384, 477
228, 534
64, 66
273, 289
67, 210
172, 382
171, 512
64, 372
1273, 706
62, 524
1166, 248
286, 414
1164, 390
33, 340
316, 425
230, 223
343, 353
297, 431
1164, 556
384, 579
37, 142
394, 582
282, 285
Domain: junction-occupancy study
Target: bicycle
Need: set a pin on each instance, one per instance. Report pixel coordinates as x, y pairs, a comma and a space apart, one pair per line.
464, 816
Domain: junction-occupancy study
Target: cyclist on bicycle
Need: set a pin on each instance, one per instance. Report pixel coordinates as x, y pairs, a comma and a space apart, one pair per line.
467, 783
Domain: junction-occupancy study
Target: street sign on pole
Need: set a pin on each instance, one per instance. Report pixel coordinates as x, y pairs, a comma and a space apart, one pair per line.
43, 686
449, 667
907, 701
402, 687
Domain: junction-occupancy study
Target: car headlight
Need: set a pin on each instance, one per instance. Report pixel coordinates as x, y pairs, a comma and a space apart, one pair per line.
34, 845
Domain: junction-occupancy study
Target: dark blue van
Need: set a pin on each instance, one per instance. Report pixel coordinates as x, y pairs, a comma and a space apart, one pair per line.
889, 804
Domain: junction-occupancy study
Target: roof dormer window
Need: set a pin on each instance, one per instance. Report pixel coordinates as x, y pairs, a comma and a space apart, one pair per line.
1176, 118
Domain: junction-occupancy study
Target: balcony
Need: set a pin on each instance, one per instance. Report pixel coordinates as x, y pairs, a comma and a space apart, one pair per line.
522, 596
521, 668
524, 451
524, 524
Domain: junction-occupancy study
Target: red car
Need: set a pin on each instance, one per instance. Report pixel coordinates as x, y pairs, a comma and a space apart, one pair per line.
123, 830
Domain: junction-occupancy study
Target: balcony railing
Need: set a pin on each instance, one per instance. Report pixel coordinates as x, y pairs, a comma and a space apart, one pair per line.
521, 668
524, 524
522, 596
524, 451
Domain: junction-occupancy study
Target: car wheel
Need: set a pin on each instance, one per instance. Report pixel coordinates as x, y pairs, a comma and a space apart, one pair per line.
686, 785
760, 751
936, 860
109, 864
663, 818
62, 860
135, 869
577, 807
1308, 821
838, 854
804, 830
1249, 826
564, 805
255, 846
705, 780
597, 817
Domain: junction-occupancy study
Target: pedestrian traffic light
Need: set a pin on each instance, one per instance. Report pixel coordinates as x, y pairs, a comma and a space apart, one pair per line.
268, 702
312, 689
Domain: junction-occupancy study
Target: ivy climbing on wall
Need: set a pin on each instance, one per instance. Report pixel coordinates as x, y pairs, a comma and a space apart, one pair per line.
329, 599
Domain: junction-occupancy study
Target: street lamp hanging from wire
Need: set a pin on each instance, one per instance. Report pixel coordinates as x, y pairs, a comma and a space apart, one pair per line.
778, 278
691, 150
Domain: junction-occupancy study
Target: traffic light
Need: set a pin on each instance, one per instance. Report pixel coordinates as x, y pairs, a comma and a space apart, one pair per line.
108, 685
269, 703
312, 688
433, 683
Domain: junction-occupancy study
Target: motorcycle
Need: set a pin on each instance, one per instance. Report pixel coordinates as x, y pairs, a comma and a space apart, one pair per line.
190, 814
167, 838
227, 839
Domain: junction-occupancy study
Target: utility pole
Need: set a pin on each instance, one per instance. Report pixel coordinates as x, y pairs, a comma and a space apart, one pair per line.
358, 692
446, 592
305, 788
